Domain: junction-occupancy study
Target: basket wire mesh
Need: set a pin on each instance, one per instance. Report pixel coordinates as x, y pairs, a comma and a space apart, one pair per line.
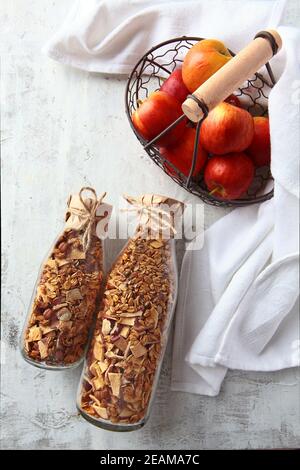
149, 74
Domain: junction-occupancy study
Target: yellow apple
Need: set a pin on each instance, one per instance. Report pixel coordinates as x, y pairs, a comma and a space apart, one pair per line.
202, 61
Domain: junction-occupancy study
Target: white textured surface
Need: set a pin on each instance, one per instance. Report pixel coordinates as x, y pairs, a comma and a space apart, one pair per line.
60, 129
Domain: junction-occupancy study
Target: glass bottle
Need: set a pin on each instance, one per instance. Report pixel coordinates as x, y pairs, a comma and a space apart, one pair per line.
63, 304
123, 362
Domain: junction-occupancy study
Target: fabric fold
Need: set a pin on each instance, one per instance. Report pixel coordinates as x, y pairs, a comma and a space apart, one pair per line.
110, 37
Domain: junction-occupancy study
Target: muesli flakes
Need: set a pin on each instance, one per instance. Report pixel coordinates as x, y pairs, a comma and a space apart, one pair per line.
127, 343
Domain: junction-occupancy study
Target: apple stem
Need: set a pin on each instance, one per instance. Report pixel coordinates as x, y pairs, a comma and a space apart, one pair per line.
217, 188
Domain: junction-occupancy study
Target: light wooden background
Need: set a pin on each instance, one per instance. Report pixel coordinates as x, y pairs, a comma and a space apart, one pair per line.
62, 128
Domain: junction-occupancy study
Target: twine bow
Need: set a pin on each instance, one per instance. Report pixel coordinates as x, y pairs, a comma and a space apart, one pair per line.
82, 214
151, 215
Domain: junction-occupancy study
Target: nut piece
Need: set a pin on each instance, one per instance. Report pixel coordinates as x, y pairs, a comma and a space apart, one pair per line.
47, 314
156, 244
59, 306
106, 327
64, 314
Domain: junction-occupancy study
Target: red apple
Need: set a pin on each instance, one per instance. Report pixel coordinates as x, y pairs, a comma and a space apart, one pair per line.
260, 147
229, 176
181, 154
227, 129
155, 114
175, 87
202, 61
234, 100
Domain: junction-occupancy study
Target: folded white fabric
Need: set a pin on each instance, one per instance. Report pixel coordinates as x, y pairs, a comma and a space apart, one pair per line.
238, 302
111, 36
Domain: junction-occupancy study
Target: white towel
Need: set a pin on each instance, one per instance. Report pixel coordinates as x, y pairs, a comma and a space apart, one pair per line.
110, 36
237, 303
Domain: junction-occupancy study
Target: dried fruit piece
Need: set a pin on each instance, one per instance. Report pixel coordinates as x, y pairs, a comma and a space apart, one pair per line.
138, 350
106, 327
121, 343
101, 411
115, 382
34, 334
126, 413
125, 331
131, 314
112, 355
127, 321
95, 369
52, 264
98, 383
77, 254
98, 351
103, 366
46, 329
43, 349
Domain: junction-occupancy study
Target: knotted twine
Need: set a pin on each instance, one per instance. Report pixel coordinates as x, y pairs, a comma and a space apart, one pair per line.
81, 214
153, 217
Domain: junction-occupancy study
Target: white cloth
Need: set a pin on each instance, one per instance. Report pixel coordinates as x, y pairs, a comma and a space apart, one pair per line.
237, 303
110, 36
238, 306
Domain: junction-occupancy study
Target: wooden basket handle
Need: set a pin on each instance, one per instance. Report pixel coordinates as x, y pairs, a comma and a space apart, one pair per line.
232, 75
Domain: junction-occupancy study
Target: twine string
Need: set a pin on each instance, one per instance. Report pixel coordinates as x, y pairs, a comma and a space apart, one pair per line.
158, 219
91, 211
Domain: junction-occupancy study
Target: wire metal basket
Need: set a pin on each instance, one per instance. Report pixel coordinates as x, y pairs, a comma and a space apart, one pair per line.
149, 74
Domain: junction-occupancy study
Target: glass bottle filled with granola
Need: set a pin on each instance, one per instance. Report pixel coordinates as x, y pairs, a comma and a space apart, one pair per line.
62, 308
125, 355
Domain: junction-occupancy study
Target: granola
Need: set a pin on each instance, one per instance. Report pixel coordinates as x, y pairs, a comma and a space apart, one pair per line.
131, 329
62, 311
64, 303
129, 335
